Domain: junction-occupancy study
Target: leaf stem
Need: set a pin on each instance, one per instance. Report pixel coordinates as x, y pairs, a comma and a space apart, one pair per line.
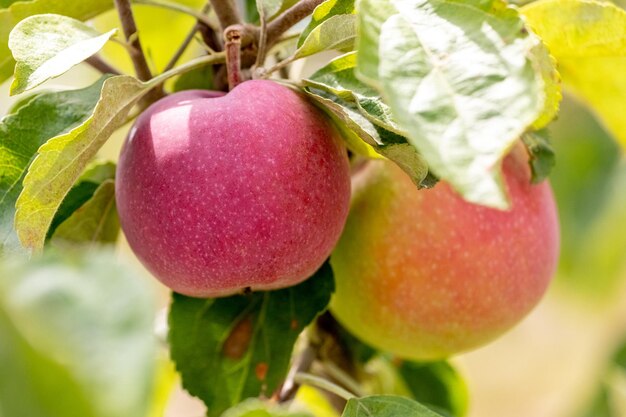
101, 65
130, 33
342, 377
301, 364
200, 16
216, 58
181, 49
324, 384
226, 12
290, 17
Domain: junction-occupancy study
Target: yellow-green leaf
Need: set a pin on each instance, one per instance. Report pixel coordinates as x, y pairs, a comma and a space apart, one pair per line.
588, 40
94, 221
338, 33
67, 155
17, 11
47, 45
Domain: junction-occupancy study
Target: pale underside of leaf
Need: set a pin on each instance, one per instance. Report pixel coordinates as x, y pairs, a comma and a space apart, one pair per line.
66, 156
46, 46
459, 81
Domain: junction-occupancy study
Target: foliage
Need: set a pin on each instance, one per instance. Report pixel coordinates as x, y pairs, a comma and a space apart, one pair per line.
443, 88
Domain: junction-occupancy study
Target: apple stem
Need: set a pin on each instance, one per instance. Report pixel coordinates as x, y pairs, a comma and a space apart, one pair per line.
101, 65
232, 46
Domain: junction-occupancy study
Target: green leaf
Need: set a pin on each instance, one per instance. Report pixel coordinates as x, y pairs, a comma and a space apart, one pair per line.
458, 80
94, 221
62, 159
17, 11
336, 33
588, 40
200, 78
339, 78
436, 384
541, 154
22, 133
368, 139
256, 408
386, 406
76, 332
47, 45
229, 349
325, 11
81, 192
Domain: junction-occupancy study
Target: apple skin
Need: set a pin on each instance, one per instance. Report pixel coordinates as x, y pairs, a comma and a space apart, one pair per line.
220, 193
424, 274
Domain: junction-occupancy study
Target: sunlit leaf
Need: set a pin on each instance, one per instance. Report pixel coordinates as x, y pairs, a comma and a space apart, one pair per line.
81, 10
47, 45
67, 155
336, 33
588, 39
22, 133
458, 80
325, 11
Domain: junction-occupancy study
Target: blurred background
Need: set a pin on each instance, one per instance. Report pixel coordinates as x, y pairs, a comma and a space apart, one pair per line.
563, 359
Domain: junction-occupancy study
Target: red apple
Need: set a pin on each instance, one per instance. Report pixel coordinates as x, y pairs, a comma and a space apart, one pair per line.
217, 194
424, 274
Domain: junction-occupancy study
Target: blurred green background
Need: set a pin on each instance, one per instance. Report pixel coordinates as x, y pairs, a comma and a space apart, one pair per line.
563, 360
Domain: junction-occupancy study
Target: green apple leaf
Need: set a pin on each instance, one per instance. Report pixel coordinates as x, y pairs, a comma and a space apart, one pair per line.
62, 159
459, 80
81, 192
47, 45
256, 408
200, 78
22, 133
77, 341
17, 11
338, 78
230, 349
541, 154
547, 66
95, 221
325, 11
437, 385
336, 33
386, 406
588, 39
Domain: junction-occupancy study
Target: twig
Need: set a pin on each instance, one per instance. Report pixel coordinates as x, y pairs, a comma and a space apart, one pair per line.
181, 49
130, 33
302, 364
342, 377
101, 65
260, 57
290, 17
232, 46
226, 12
200, 16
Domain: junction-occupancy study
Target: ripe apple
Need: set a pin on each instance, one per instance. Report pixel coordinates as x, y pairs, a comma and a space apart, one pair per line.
424, 274
219, 193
